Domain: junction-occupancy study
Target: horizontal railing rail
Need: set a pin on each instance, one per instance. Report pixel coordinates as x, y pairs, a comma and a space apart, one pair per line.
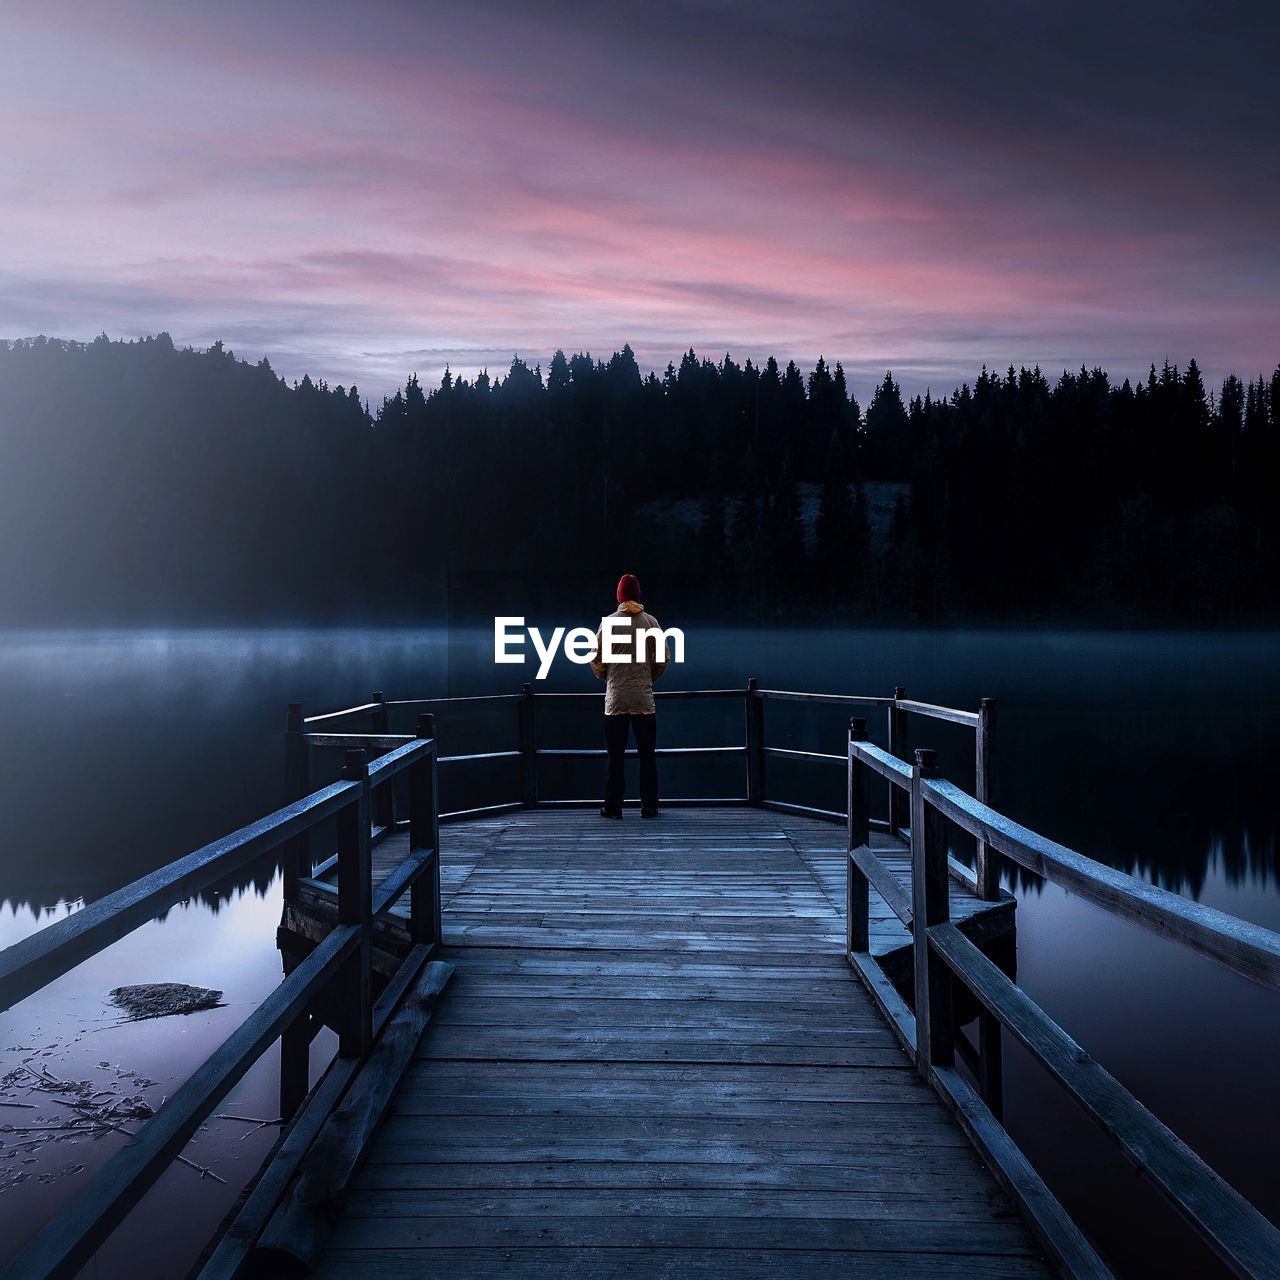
791, 753
338, 968
35, 961
879, 761
1242, 1237
1247, 949
361, 741
838, 699
931, 712
368, 709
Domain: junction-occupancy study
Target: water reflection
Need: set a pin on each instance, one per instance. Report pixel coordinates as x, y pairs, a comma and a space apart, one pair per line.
71, 1033
127, 749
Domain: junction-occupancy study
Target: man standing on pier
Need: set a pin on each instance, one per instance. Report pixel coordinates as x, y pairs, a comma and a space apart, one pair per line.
628, 697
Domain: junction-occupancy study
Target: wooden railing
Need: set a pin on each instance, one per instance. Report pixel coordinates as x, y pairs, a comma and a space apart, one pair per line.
337, 970
531, 706
1237, 1232
363, 806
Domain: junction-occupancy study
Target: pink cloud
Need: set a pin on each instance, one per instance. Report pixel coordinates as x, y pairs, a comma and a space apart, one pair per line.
439, 193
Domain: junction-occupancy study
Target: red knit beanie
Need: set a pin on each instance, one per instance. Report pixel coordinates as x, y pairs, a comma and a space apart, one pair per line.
628, 587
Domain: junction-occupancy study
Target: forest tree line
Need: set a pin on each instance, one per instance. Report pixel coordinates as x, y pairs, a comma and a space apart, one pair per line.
145, 483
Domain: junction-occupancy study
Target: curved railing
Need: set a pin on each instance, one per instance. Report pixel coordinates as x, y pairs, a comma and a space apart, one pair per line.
532, 707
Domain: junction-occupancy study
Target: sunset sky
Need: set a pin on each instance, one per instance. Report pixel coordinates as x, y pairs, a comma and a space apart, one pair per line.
363, 190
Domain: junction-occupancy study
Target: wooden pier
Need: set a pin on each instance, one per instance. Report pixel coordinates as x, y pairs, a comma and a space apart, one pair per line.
755, 1037
653, 1059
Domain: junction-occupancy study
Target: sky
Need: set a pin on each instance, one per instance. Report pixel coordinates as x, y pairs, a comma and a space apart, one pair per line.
363, 190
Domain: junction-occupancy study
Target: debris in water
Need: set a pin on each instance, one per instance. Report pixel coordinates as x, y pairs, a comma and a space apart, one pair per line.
257, 1123
163, 999
71, 1111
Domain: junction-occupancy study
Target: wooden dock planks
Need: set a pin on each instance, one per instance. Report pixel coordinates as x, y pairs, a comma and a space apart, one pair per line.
654, 1060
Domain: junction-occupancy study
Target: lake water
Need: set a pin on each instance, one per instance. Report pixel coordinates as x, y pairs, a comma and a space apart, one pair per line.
1155, 753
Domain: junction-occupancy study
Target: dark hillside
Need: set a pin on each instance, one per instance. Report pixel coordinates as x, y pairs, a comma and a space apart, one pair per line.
144, 484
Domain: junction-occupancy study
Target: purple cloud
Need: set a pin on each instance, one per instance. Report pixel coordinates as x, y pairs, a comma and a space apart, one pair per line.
345, 187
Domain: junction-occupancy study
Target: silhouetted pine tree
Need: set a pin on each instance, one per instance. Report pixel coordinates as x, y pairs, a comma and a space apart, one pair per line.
888, 443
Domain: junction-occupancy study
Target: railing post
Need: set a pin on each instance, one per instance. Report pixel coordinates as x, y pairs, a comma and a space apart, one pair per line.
297, 782
295, 1065
858, 829
898, 818
424, 833
528, 749
355, 906
990, 1046
384, 797
930, 905
755, 743
988, 860
991, 1063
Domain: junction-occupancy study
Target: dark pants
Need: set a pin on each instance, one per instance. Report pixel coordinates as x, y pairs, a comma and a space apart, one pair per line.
645, 729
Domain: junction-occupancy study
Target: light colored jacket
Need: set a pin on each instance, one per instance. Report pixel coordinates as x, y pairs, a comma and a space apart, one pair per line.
629, 685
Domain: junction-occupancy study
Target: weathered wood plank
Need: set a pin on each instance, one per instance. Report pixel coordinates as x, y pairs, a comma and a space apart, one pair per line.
676, 1231
766, 1081
871, 1108
722, 1202
933, 1173
535, 1006
229, 1251
556, 1045
296, 1233
542, 1263
506, 1146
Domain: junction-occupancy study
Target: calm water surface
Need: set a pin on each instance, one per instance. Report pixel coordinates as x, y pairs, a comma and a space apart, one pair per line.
1152, 752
